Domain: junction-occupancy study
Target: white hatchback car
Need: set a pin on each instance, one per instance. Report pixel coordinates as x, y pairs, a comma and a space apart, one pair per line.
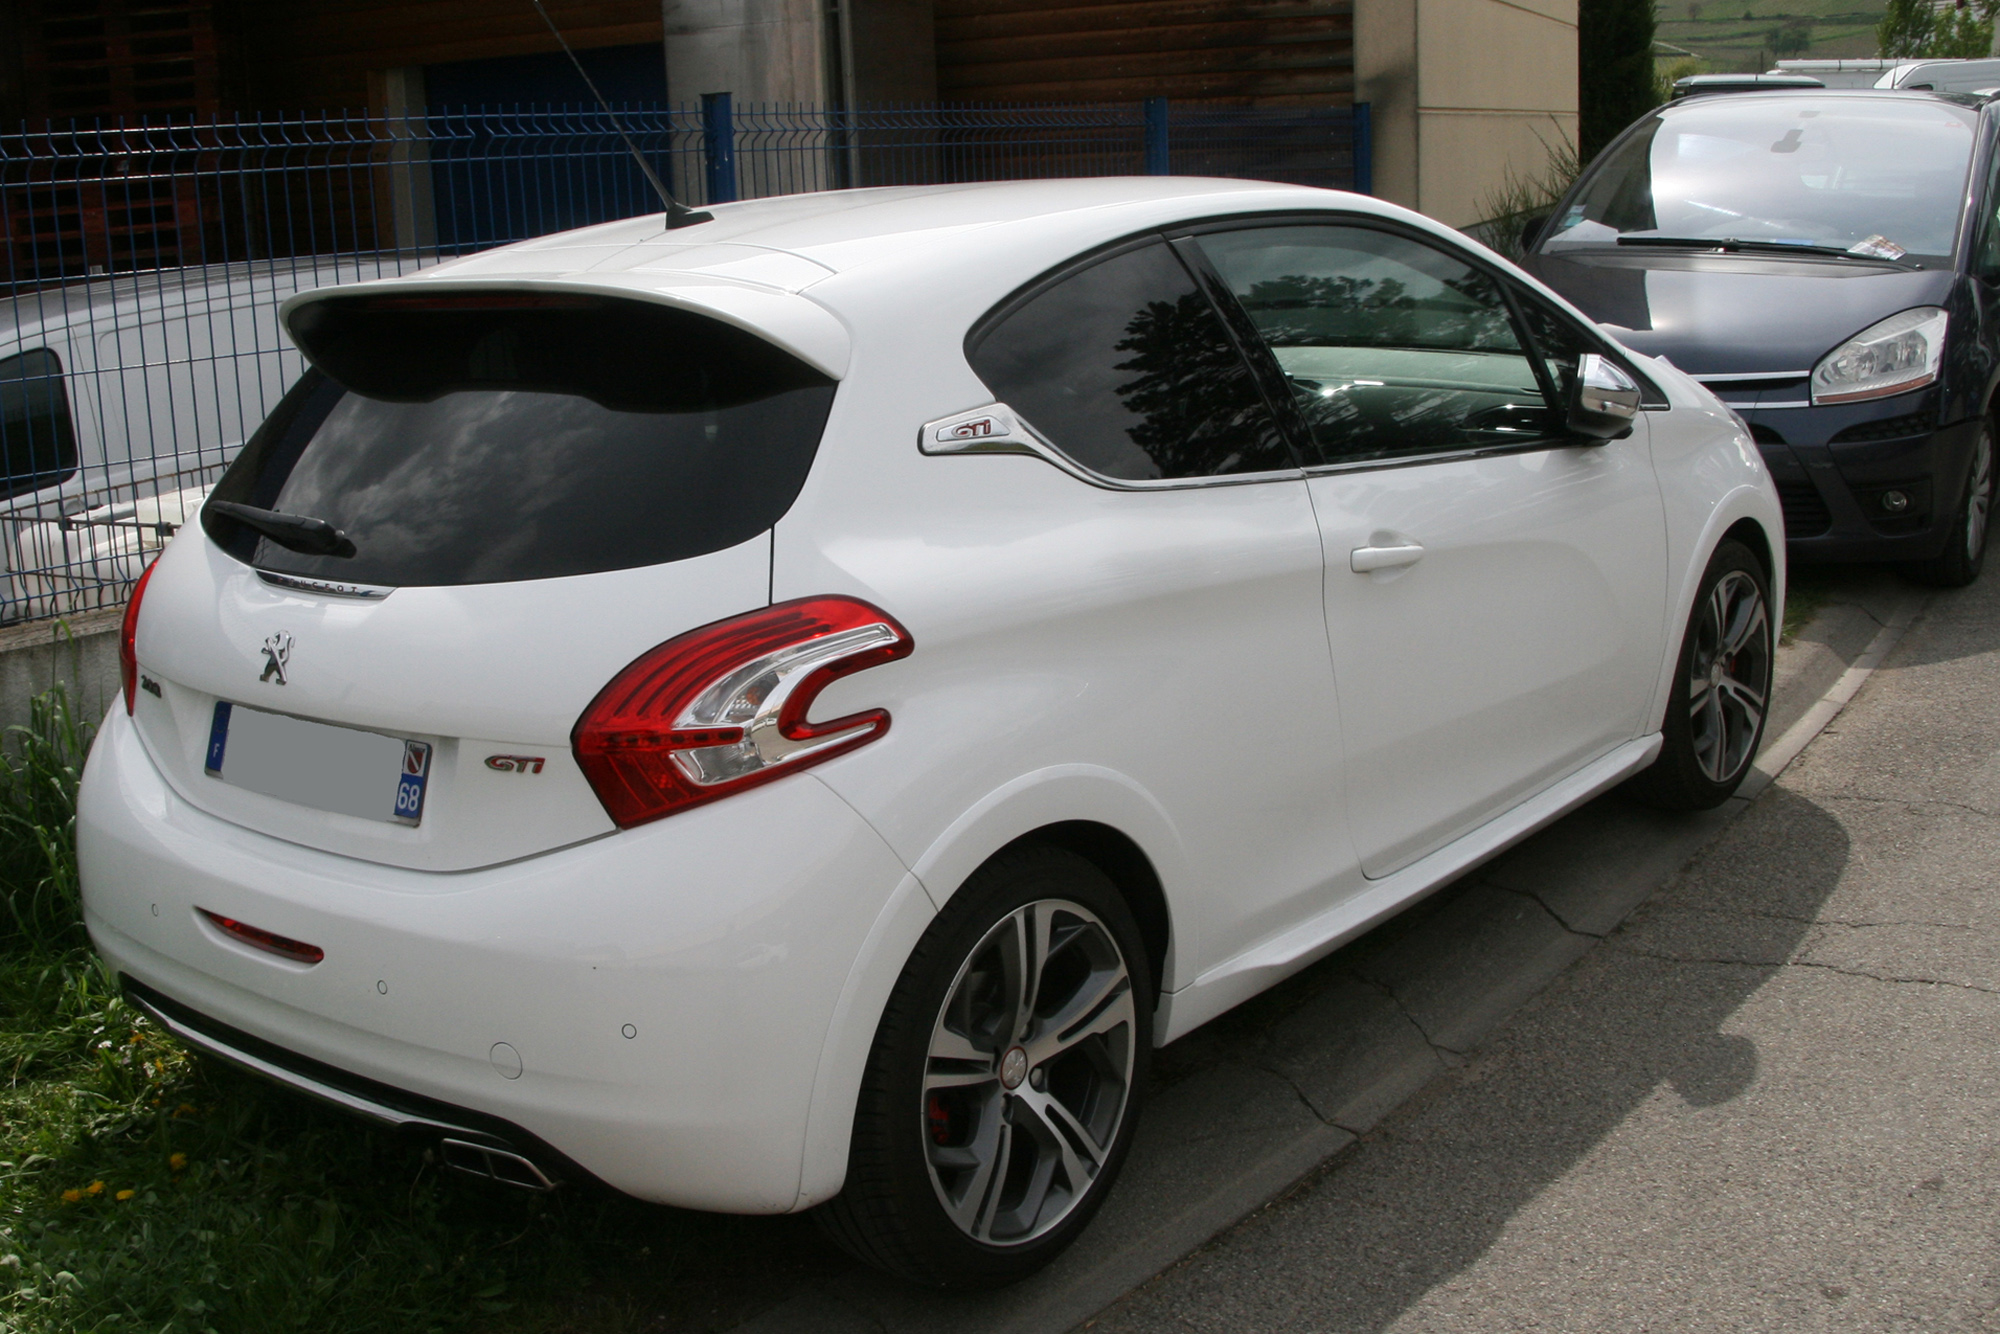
788, 712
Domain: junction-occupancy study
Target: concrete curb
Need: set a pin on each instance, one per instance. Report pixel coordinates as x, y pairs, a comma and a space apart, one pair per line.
1271, 1101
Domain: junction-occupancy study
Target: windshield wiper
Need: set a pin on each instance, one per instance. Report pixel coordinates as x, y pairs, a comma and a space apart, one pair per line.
297, 532
1768, 247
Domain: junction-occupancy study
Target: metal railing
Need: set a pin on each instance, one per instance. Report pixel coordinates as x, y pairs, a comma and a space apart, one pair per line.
144, 264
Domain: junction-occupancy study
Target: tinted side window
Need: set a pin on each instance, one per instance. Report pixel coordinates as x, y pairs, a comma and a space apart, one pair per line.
493, 438
37, 442
1391, 347
1126, 368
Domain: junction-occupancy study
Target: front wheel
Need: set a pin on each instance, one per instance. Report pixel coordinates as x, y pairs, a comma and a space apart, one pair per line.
1964, 554
1002, 1092
1722, 689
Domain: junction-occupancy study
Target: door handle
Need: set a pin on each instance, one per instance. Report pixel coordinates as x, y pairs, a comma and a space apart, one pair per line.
1363, 560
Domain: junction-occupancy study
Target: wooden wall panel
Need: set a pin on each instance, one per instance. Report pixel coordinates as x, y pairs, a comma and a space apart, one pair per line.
1242, 52
314, 54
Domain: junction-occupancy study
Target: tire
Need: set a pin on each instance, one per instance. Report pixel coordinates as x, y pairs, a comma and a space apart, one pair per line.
1964, 554
982, 1145
1722, 689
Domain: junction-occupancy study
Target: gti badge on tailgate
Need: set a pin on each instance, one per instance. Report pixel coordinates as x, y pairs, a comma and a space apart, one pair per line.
277, 652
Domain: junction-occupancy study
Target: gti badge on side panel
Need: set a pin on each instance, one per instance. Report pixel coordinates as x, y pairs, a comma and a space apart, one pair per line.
277, 652
516, 764
988, 430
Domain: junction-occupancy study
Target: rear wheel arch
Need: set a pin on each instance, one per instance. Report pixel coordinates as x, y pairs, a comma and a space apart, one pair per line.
1128, 867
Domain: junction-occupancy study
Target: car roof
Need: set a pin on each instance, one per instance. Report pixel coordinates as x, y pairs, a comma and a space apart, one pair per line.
842, 231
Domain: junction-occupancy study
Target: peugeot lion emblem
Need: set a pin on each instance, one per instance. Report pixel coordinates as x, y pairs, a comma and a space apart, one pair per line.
277, 652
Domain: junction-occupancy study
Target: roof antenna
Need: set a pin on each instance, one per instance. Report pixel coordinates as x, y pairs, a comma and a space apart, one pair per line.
678, 214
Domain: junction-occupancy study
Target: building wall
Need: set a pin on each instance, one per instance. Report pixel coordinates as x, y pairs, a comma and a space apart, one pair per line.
321, 54
1464, 92
1243, 52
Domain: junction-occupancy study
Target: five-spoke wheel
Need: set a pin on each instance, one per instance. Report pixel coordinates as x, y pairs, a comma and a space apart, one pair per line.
1722, 688
1729, 674
1029, 1067
1004, 1084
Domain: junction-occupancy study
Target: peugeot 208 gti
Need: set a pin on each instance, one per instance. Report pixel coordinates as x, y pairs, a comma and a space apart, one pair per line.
787, 712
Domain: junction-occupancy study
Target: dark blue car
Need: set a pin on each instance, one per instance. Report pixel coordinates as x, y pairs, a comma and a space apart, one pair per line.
1828, 262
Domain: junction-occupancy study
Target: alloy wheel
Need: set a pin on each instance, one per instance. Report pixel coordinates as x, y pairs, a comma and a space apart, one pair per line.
1729, 676
1028, 1072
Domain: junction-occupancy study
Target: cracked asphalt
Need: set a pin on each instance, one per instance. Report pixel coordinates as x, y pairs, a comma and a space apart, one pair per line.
1768, 1100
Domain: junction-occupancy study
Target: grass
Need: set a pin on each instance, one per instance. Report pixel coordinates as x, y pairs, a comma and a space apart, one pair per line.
142, 1189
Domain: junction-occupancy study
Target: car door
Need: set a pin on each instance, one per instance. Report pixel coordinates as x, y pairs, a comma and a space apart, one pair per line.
1166, 590
1493, 585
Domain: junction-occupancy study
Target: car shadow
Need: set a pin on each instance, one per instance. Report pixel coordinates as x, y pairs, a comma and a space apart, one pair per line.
1426, 1193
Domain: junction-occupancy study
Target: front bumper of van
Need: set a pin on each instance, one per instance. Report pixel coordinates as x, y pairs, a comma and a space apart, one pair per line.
649, 1008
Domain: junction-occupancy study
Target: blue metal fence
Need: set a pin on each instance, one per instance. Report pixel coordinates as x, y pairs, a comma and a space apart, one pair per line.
144, 264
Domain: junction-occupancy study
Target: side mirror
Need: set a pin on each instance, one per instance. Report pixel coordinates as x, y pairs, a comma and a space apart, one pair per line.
1604, 400
1531, 232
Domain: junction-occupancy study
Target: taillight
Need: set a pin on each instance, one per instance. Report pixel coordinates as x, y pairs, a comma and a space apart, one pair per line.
128, 640
724, 707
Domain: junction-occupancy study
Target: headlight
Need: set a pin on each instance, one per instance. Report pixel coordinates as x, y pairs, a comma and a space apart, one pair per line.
1899, 354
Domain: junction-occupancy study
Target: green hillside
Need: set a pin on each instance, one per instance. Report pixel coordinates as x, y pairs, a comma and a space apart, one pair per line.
1744, 35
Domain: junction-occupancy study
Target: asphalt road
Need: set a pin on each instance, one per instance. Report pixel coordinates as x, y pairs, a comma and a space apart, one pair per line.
1769, 1100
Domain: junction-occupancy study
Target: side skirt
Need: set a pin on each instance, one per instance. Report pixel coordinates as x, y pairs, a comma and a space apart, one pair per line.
1264, 965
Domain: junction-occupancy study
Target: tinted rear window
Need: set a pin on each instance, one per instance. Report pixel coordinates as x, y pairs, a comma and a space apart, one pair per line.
1126, 368
486, 439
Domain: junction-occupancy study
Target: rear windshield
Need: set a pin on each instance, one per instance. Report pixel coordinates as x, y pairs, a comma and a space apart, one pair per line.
1790, 168
488, 438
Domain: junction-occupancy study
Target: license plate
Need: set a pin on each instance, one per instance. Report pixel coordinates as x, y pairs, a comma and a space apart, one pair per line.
328, 768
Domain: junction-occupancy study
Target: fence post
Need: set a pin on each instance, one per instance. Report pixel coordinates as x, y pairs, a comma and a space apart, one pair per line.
718, 143
1364, 151
1156, 137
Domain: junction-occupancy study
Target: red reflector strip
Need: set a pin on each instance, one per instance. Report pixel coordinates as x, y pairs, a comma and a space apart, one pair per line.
268, 941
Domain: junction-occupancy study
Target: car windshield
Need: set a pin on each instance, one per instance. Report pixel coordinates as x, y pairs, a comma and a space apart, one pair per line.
1878, 175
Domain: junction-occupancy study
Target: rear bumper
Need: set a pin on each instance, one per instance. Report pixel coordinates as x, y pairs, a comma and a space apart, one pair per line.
467, 1140
649, 1008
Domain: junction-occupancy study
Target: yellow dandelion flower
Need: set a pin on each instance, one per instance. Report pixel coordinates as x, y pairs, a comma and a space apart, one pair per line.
177, 1161
94, 1188
138, 1038
185, 1109
126, 1194
72, 1196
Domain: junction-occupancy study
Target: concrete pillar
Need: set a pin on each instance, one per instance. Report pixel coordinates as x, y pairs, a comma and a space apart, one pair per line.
1464, 92
1385, 77
399, 94
813, 51
757, 50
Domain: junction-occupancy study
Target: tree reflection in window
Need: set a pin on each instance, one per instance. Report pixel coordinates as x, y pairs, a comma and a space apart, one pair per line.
1193, 406
1126, 368
1392, 346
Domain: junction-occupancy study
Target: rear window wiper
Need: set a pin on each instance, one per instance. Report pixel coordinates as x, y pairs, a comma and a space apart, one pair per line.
1766, 247
296, 532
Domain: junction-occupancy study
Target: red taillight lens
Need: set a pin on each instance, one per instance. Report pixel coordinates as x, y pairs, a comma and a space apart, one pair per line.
723, 708
268, 941
128, 640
